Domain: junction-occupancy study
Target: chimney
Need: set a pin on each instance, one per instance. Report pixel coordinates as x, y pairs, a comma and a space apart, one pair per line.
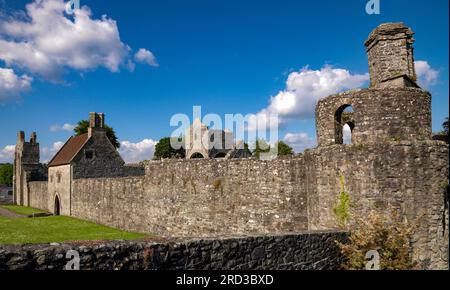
33, 138
96, 122
21, 137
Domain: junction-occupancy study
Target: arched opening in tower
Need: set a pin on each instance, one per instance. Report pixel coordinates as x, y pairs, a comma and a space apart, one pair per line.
344, 124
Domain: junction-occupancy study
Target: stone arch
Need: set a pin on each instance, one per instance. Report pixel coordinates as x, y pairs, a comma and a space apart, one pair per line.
57, 206
342, 117
196, 155
220, 155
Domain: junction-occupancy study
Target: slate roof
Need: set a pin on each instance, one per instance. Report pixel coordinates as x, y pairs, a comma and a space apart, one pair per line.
66, 154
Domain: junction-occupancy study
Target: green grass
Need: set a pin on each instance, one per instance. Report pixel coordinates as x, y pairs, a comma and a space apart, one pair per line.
22, 209
57, 229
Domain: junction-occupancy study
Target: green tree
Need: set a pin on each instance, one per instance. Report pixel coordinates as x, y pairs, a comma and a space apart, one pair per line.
164, 150
6, 174
284, 149
261, 146
443, 135
82, 128
445, 126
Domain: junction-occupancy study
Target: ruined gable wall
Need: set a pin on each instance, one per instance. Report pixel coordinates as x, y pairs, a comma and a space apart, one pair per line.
106, 160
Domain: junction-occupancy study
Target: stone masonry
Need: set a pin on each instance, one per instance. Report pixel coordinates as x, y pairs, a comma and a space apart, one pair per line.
302, 251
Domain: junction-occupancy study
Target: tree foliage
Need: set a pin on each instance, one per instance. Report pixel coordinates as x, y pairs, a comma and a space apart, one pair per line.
82, 128
387, 234
284, 149
164, 150
261, 146
6, 174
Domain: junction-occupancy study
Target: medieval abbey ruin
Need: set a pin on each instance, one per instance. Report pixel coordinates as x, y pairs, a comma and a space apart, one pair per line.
391, 161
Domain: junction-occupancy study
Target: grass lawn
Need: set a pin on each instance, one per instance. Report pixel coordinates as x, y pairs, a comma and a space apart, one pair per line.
57, 229
22, 209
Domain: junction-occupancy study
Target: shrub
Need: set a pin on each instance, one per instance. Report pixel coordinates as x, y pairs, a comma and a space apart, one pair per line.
388, 234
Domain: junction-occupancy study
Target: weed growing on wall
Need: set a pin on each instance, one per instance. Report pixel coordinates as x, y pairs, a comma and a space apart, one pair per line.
342, 206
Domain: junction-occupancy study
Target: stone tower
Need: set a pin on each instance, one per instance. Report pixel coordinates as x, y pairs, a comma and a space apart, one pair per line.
26, 166
393, 108
390, 52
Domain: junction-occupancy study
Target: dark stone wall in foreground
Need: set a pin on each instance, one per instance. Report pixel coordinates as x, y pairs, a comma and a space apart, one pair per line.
296, 251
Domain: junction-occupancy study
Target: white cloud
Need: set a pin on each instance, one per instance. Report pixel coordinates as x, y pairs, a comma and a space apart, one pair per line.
305, 88
299, 141
7, 154
145, 56
136, 152
66, 127
425, 74
47, 41
47, 153
12, 85
347, 134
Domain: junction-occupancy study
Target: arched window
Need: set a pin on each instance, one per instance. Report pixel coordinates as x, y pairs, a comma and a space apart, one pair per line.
344, 124
197, 156
220, 155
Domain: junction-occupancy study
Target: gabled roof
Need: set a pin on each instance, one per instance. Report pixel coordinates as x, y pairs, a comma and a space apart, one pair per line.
66, 154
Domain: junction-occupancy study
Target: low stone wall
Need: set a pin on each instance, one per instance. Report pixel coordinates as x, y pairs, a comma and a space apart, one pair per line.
38, 197
300, 251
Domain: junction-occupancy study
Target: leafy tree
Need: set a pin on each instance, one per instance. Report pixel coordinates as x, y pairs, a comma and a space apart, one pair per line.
443, 135
261, 146
82, 128
284, 149
445, 126
6, 174
164, 150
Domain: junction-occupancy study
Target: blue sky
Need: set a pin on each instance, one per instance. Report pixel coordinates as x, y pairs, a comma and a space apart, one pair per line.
227, 56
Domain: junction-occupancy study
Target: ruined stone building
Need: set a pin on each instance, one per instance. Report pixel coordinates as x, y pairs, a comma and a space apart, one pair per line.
391, 161
202, 142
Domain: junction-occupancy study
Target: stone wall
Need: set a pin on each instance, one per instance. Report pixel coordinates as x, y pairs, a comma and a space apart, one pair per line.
105, 161
297, 251
38, 194
247, 196
59, 187
405, 175
199, 198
